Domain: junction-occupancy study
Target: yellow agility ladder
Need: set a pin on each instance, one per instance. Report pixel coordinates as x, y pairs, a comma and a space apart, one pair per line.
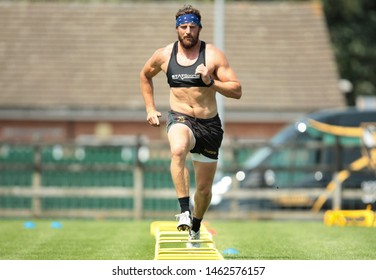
170, 244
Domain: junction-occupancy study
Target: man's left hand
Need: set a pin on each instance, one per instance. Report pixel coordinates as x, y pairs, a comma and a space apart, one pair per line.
204, 72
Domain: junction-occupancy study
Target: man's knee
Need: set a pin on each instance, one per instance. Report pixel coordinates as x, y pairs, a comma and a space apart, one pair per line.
179, 151
204, 191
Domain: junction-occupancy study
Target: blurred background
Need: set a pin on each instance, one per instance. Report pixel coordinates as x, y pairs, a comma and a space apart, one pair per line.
73, 137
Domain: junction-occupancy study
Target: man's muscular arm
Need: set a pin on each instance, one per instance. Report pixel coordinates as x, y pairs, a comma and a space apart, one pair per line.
225, 81
151, 68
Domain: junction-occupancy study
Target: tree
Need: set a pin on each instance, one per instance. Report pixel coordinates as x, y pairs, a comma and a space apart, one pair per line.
352, 27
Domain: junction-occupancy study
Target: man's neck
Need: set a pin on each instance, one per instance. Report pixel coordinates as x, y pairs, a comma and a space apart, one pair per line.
190, 52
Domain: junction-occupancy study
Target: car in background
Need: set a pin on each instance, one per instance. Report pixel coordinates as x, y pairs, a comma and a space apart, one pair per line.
300, 156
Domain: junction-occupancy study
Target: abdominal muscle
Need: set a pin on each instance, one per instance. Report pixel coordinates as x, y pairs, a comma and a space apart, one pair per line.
196, 102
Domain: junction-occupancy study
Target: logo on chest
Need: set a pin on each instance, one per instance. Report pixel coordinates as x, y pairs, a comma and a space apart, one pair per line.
183, 77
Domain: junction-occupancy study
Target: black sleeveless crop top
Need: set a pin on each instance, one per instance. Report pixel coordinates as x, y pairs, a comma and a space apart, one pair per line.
184, 76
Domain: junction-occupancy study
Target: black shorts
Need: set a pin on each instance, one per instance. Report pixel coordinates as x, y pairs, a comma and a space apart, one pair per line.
208, 133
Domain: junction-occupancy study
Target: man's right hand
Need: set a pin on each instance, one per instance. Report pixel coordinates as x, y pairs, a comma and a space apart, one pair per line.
153, 118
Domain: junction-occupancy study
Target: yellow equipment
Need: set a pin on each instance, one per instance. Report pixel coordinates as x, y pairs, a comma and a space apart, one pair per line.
170, 244
366, 218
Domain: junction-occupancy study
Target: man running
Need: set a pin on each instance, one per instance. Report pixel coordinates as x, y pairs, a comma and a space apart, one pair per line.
195, 72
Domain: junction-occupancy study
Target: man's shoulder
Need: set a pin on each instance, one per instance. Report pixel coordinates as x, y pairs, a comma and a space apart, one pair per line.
168, 49
164, 53
211, 48
213, 53
215, 57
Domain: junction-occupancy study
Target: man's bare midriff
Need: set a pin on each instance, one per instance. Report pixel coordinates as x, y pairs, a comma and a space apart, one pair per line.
196, 102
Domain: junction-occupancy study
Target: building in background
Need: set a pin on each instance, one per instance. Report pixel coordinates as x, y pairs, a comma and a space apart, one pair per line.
70, 71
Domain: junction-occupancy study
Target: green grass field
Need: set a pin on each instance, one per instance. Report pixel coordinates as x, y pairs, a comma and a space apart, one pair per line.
131, 240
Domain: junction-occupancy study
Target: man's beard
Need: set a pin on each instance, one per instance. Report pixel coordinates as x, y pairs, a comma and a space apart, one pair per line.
188, 44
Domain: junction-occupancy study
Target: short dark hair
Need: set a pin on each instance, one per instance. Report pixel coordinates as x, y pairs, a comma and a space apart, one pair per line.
188, 9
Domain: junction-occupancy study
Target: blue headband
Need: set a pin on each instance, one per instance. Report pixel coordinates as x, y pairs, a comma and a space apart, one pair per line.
188, 18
